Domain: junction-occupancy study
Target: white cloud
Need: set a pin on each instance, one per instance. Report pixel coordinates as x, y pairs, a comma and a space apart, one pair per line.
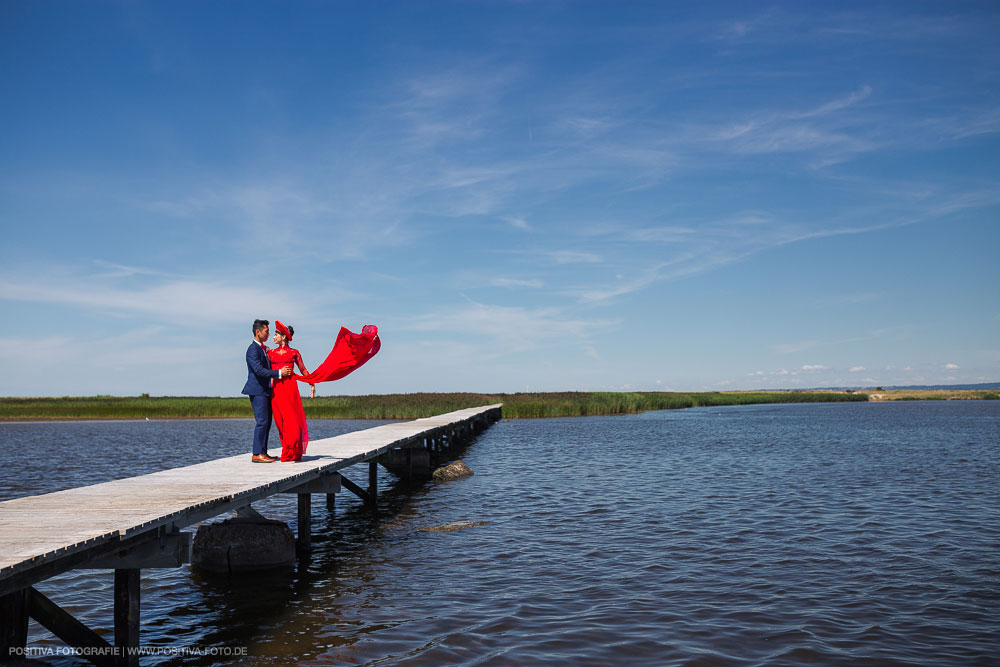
811, 368
952, 367
798, 131
792, 348
836, 105
857, 369
665, 234
574, 257
518, 222
185, 300
159, 297
343, 218
509, 328
516, 282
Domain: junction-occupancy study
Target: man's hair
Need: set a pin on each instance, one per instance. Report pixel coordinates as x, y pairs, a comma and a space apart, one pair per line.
259, 324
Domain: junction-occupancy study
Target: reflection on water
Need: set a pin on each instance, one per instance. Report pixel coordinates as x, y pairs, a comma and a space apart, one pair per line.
836, 534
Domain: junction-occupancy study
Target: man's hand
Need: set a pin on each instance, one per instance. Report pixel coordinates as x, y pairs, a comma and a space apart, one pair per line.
285, 372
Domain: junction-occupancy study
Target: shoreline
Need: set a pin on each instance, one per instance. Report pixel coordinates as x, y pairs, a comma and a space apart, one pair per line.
415, 406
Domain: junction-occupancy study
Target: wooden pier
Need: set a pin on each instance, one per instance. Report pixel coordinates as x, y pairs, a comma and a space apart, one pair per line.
135, 523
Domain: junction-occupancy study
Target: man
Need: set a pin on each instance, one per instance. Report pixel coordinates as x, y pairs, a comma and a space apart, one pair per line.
258, 388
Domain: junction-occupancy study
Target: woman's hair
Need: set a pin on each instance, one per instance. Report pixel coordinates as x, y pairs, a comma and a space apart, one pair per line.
291, 330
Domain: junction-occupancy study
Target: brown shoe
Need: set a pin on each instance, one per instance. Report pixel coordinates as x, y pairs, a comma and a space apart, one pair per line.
261, 458
268, 456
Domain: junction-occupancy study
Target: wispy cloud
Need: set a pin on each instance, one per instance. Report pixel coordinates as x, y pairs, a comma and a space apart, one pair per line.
574, 257
517, 222
297, 219
664, 234
834, 105
986, 122
112, 270
178, 300
510, 328
794, 131
158, 297
516, 282
793, 348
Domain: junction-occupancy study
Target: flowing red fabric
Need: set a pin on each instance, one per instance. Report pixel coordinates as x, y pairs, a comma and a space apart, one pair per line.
350, 352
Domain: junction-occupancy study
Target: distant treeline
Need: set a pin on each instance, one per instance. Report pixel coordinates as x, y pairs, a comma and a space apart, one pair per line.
399, 406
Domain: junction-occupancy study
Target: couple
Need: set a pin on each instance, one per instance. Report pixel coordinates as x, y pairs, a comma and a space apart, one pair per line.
273, 389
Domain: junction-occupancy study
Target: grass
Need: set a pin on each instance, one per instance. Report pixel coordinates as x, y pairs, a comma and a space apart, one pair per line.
934, 395
397, 406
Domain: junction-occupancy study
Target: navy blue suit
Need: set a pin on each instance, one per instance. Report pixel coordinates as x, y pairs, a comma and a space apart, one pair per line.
258, 388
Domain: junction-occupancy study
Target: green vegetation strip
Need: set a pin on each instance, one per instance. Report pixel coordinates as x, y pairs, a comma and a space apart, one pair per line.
397, 406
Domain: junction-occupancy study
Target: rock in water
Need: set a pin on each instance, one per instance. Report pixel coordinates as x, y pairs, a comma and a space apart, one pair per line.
453, 526
455, 470
243, 545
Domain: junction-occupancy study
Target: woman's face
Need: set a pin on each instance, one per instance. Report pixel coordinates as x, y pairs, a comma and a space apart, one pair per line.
279, 339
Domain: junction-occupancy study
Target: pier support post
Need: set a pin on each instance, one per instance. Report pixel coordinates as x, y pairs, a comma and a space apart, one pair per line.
305, 521
372, 481
14, 629
126, 617
331, 501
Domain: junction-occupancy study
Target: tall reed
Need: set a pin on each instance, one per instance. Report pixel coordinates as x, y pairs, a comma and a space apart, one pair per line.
397, 406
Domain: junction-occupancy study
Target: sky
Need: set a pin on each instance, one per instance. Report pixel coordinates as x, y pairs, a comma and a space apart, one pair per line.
523, 196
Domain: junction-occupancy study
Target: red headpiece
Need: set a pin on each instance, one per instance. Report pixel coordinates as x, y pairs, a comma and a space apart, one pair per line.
282, 329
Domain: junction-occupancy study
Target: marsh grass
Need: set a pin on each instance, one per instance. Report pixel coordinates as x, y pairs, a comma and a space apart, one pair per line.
934, 395
396, 406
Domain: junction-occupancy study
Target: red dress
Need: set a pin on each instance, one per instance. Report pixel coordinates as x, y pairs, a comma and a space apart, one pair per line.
286, 405
350, 352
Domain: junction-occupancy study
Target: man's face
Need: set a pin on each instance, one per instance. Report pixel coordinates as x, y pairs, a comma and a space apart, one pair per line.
262, 334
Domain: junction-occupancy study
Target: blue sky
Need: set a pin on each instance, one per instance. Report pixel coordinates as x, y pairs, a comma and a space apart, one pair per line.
524, 196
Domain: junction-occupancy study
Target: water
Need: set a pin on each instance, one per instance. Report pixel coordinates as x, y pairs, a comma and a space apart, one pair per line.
823, 533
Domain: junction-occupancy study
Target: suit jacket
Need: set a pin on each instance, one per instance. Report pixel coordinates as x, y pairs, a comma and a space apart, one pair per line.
259, 373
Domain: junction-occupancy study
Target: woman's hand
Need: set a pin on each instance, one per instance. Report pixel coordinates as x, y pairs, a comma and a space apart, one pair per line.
312, 391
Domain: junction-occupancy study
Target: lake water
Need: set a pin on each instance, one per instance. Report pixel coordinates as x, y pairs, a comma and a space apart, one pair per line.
781, 534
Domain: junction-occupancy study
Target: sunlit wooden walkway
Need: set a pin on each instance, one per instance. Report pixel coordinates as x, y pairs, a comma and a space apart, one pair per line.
132, 523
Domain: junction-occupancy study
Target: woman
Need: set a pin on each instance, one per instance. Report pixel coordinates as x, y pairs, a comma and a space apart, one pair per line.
286, 403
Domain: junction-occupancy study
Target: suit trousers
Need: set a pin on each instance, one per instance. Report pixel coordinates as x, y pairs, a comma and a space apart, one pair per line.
262, 430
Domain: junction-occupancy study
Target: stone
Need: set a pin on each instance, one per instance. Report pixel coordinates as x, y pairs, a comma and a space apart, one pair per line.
455, 470
243, 545
453, 526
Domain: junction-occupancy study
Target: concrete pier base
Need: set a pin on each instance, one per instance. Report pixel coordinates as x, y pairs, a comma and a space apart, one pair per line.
244, 545
408, 463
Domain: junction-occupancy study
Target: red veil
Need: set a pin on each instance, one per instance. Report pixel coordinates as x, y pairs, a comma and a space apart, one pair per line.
350, 352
